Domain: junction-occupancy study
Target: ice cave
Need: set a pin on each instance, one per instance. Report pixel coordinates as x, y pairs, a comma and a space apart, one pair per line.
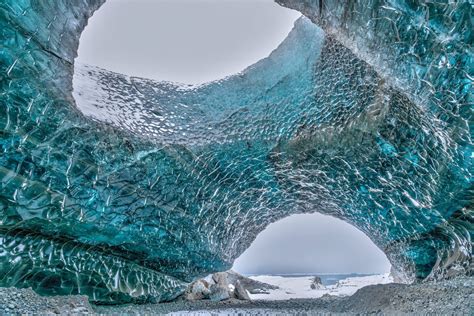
127, 189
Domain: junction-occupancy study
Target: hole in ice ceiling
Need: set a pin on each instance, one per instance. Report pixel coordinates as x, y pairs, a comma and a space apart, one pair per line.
290, 252
153, 39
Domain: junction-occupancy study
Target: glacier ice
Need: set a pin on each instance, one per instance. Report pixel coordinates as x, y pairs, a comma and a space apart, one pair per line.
126, 189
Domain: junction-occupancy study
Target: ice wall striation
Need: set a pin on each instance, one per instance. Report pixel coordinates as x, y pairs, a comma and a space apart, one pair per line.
125, 189
423, 49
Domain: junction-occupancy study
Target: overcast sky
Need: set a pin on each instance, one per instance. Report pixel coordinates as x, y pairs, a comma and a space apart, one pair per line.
189, 41
195, 41
312, 243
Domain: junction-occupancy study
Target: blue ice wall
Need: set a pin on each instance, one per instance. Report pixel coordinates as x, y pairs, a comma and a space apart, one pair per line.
125, 189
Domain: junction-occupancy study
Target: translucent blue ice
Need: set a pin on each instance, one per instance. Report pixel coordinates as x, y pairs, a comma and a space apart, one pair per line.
125, 189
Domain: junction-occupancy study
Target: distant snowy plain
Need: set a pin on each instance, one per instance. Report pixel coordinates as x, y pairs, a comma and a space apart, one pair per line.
300, 287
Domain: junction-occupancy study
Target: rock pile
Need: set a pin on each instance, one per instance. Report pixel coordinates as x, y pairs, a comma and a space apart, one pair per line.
225, 285
317, 284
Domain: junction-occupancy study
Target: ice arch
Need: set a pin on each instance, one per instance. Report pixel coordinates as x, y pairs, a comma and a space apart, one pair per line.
131, 204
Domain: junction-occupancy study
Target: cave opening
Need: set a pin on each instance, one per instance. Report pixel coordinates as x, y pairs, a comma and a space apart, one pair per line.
153, 39
293, 251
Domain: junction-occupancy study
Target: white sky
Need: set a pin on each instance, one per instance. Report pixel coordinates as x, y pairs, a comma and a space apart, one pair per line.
195, 41
188, 41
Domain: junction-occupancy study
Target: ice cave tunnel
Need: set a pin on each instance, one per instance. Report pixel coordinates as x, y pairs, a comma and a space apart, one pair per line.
132, 188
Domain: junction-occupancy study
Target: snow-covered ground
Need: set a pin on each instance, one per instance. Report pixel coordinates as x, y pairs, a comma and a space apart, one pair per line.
300, 287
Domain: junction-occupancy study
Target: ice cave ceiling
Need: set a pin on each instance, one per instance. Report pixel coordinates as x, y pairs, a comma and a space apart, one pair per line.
126, 189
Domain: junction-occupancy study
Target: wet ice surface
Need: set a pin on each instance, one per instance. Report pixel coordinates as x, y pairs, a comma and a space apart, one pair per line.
156, 184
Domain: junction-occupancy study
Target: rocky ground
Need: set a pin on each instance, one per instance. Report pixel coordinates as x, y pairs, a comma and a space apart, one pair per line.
444, 298
26, 301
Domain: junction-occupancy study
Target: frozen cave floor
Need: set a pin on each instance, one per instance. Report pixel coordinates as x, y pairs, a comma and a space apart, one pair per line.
455, 296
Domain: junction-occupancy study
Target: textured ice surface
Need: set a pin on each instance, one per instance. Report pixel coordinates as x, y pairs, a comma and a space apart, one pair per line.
132, 188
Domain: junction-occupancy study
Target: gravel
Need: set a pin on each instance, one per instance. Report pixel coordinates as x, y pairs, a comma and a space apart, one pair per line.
454, 296
26, 301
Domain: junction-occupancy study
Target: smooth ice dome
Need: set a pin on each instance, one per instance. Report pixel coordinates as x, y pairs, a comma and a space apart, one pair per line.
126, 189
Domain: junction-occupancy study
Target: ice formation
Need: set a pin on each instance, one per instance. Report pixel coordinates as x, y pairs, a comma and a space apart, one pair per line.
131, 188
